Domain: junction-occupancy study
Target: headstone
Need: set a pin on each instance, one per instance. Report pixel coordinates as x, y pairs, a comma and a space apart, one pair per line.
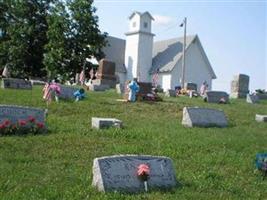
252, 98
14, 83
239, 86
191, 86
119, 88
97, 88
101, 123
203, 117
261, 118
106, 74
216, 96
37, 82
170, 93
66, 92
17, 114
144, 89
262, 96
119, 173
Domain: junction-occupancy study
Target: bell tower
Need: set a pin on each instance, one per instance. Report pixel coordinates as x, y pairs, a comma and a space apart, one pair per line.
139, 46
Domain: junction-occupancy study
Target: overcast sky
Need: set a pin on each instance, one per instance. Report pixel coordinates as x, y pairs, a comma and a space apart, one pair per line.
233, 34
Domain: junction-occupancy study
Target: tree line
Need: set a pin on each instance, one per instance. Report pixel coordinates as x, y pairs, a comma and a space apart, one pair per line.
47, 38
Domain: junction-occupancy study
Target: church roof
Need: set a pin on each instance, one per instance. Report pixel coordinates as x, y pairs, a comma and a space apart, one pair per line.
141, 14
167, 53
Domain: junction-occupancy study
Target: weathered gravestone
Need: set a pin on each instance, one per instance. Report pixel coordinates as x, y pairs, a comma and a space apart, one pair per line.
100, 123
119, 88
252, 98
66, 92
216, 97
170, 93
25, 117
191, 86
239, 86
98, 88
119, 173
203, 117
106, 74
261, 118
15, 83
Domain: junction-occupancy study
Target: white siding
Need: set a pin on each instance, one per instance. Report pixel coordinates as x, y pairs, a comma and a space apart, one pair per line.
196, 69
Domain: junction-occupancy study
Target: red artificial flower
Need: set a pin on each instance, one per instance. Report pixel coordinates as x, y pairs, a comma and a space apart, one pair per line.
143, 170
1, 126
7, 122
31, 119
22, 122
40, 125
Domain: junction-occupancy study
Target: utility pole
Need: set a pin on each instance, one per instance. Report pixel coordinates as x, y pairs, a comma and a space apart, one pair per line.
183, 64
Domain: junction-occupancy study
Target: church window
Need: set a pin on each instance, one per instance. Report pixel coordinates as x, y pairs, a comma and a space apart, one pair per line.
145, 24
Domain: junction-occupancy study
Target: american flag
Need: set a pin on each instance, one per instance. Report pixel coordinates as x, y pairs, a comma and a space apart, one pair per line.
47, 90
82, 77
155, 78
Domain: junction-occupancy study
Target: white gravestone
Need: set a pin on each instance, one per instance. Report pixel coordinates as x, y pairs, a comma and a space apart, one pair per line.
216, 96
119, 173
100, 123
261, 118
251, 98
203, 117
15, 83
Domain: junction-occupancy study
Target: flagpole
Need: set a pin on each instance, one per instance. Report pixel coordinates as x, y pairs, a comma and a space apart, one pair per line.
183, 64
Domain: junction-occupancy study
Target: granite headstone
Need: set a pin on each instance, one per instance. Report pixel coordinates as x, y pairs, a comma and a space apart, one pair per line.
119, 173
100, 123
66, 92
170, 93
15, 83
261, 118
203, 117
252, 98
216, 96
240, 86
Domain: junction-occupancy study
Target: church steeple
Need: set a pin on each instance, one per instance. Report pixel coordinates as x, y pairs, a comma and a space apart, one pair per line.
139, 45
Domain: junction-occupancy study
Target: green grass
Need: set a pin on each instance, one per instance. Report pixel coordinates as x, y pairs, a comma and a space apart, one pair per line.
210, 163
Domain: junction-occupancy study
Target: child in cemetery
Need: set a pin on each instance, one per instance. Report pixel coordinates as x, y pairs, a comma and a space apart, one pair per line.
133, 88
79, 94
51, 89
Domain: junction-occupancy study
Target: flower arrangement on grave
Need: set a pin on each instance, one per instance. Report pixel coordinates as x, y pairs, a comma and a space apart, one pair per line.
143, 172
22, 126
261, 163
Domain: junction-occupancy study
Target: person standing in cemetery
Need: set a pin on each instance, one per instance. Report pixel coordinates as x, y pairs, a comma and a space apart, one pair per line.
51, 89
203, 88
133, 89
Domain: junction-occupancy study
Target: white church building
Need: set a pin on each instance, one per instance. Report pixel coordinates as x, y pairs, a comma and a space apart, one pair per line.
140, 57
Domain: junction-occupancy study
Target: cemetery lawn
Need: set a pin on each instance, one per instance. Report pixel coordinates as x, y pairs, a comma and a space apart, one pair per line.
210, 163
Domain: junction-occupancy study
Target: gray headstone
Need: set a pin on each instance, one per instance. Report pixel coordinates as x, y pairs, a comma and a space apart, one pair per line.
262, 96
191, 86
216, 96
16, 113
14, 83
252, 98
203, 117
261, 118
37, 82
98, 87
119, 173
170, 93
66, 92
100, 123
240, 86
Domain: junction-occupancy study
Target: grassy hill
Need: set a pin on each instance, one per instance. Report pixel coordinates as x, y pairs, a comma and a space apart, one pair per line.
210, 163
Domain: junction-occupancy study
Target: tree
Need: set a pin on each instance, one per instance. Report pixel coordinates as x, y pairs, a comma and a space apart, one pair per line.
86, 39
57, 56
24, 36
